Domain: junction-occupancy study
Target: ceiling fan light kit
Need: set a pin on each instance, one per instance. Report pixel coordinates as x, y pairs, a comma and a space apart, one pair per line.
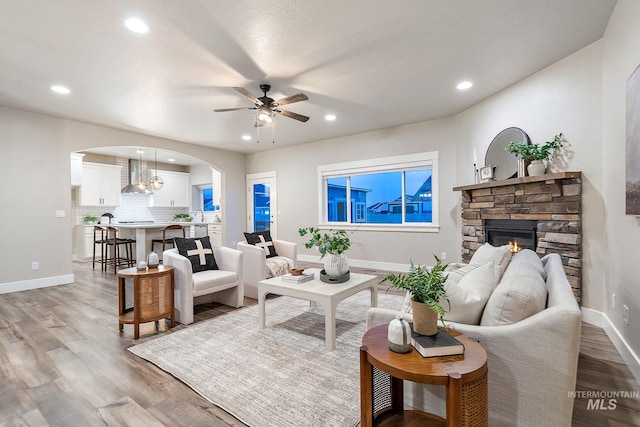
267, 109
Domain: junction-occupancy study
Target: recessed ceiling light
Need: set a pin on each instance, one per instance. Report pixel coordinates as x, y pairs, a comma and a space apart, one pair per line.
464, 85
246, 137
171, 160
139, 151
60, 89
330, 117
136, 25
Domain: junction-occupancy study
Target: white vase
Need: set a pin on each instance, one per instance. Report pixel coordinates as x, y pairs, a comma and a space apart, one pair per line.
399, 335
336, 265
536, 168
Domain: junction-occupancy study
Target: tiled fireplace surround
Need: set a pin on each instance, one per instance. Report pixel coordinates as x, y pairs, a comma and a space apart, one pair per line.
553, 200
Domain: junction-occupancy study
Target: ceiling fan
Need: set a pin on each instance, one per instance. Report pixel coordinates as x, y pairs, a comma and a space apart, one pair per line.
266, 107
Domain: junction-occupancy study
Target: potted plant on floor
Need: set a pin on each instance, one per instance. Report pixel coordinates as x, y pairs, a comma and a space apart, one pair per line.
332, 242
426, 286
536, 154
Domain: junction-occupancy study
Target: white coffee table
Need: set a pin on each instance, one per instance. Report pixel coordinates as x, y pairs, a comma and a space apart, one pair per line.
328, 295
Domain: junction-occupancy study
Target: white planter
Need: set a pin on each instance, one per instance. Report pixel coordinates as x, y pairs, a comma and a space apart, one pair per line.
336, 265
536, 168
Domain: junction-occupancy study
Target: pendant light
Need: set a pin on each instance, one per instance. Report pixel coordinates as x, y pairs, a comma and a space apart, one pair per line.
156, 182
141, 187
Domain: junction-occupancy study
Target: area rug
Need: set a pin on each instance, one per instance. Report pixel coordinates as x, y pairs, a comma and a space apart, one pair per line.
280, 376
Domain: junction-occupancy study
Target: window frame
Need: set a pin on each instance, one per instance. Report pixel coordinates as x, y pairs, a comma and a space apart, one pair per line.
385, 164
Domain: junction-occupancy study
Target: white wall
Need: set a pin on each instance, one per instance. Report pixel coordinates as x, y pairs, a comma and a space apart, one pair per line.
296, 169
621, 56
565, 97
35, 171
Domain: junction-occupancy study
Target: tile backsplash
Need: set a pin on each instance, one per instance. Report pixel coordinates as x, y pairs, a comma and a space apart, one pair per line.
133, 207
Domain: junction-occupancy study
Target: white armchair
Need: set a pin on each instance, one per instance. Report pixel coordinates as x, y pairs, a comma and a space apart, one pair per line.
224, 285
255, 263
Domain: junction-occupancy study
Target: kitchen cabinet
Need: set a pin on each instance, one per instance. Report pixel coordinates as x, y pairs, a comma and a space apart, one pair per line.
84, 243
175, 192
215, 234
76, 169
100, 185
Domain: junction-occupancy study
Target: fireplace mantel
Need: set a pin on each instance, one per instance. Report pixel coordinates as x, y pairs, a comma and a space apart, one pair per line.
550, 178
553, 200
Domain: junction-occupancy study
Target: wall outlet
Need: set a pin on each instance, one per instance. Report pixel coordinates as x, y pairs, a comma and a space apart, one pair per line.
613, 301
35, 265
443, 256
60, 214
625, 314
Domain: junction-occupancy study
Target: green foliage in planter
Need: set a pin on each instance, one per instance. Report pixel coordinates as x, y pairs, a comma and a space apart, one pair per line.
90, 219
179, 216
534, 151
332, 242
425, 284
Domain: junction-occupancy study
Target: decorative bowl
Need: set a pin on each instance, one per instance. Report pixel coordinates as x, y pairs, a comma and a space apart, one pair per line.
297, 271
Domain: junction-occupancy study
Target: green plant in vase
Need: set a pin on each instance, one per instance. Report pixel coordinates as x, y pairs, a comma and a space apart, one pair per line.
426, 285
535, 153
332, 242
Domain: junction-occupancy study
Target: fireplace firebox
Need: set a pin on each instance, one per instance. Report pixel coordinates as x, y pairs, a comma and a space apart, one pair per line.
500, 232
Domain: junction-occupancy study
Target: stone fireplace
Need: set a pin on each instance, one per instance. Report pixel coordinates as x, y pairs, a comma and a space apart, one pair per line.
543, 213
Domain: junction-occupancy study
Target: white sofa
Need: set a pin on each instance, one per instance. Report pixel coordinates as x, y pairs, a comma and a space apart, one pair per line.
224, 285
532, 362
255, 263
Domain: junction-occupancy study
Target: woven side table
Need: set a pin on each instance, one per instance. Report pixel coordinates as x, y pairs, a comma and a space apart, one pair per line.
152, 297
382, 373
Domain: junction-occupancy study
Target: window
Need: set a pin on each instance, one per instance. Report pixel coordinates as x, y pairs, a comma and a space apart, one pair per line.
207, 200
392, 193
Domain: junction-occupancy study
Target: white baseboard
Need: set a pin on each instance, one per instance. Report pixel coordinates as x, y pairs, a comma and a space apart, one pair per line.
385, 266
597, 318
25, 285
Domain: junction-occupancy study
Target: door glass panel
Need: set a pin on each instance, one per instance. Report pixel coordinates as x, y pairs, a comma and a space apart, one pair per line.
261, 207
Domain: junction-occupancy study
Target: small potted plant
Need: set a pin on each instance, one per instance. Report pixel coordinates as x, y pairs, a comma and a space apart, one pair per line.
182, 217
332, 242
90, 220
426, 286
535, 153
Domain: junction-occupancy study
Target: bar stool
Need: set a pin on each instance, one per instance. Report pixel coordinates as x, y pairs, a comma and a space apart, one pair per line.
99, 238
164, 241
112, 241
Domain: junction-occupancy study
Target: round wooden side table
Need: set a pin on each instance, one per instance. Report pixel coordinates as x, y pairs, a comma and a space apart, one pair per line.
152, 297
382, 373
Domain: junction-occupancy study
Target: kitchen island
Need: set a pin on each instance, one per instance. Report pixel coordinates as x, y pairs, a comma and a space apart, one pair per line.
143, 232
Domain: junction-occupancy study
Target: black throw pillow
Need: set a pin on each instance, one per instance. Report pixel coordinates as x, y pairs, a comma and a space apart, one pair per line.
262, 239
198, 251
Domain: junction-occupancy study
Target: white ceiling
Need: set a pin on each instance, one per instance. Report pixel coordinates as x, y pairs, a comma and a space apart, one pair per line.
374, 64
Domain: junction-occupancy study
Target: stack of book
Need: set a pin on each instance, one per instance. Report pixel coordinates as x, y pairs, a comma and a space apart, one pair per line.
304, 277
440, 344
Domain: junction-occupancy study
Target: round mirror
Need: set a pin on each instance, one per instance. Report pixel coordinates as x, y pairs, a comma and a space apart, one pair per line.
504, 163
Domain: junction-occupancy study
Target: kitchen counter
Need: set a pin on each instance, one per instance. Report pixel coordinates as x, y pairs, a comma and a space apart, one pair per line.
141, 235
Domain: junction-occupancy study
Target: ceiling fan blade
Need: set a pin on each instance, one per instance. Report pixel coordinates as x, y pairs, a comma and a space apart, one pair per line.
248, 94
293, 98
222, 110
291, 115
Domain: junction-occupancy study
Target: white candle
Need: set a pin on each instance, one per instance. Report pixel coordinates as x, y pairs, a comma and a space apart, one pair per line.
475, 158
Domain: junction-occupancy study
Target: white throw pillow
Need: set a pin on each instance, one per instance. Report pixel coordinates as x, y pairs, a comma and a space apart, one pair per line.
468, 289
530, 257
521, 293
500, 255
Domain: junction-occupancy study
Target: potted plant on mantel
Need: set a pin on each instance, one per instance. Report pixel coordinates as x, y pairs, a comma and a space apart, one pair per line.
332, 242
536, 154
426, 286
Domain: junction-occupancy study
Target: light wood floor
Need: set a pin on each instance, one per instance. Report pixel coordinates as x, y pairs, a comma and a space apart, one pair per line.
63, 363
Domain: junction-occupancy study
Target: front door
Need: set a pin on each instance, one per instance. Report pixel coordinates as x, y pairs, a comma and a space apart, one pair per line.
261, 203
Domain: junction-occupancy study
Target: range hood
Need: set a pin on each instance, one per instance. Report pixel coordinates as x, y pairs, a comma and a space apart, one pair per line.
134, 174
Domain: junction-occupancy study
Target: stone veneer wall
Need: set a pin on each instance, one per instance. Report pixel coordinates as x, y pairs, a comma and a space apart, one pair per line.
553, 200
